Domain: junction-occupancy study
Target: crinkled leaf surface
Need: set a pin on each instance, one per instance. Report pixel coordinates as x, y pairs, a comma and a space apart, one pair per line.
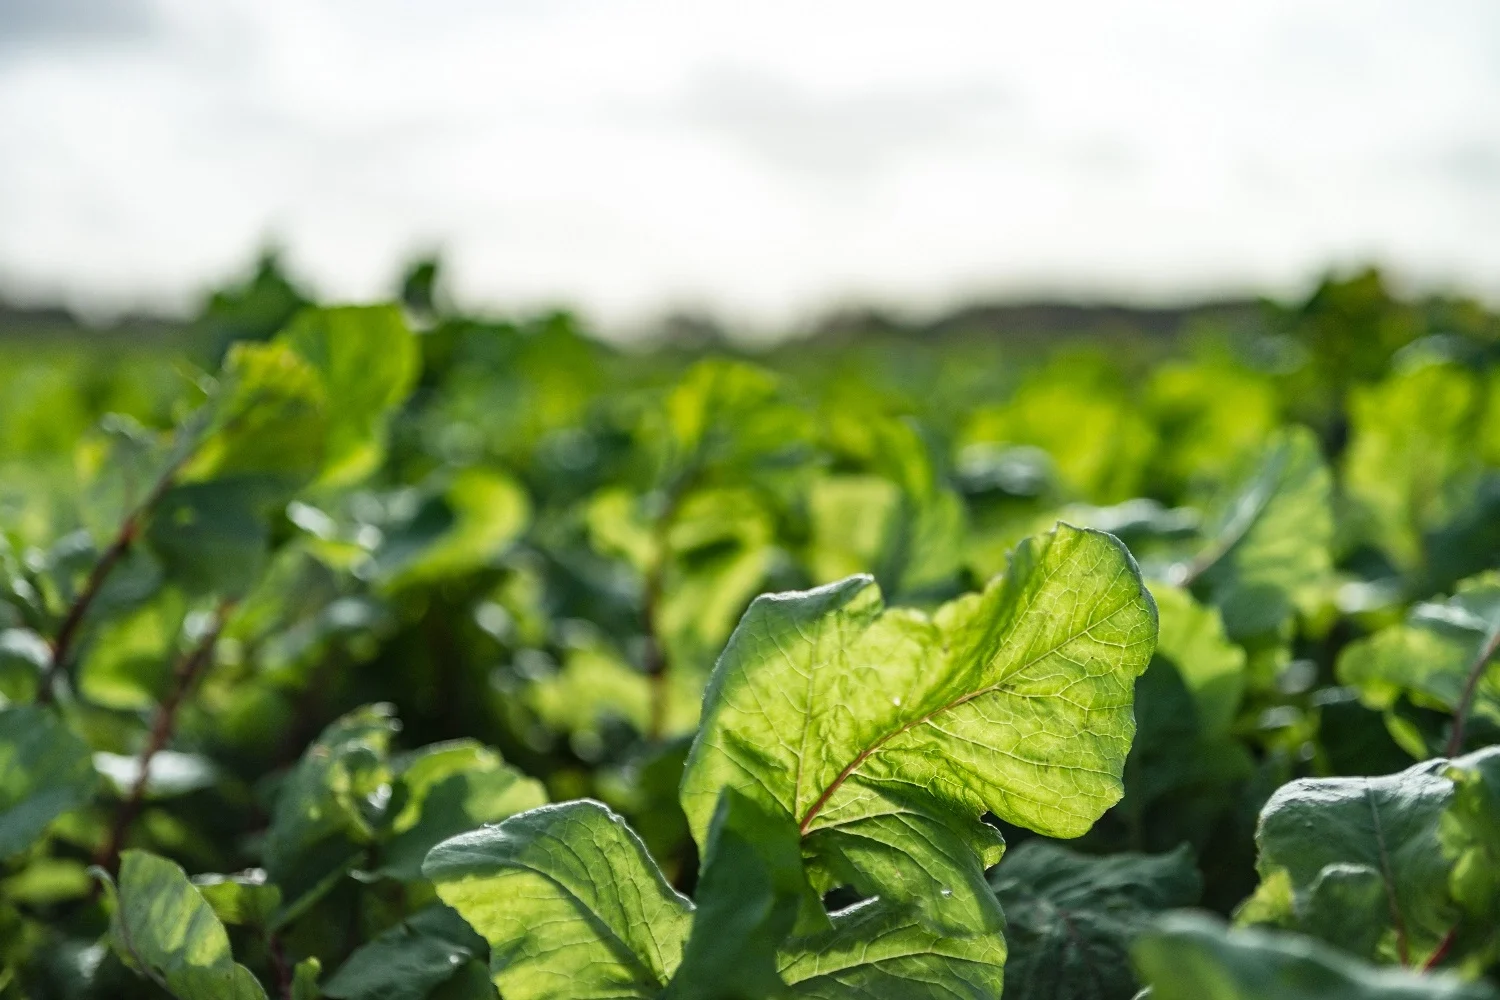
1334, 842
410, 960
45, 771
1268, 537
1429, 657
1188, 956
570, 902
163, 927
887, 733
876, 951
1070, 918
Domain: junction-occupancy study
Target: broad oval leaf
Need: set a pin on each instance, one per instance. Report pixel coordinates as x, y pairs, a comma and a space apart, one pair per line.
887, 733
1359, 863
570, 902
163, 927
410, 960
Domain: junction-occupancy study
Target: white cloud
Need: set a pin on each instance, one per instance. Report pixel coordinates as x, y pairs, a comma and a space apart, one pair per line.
762, 158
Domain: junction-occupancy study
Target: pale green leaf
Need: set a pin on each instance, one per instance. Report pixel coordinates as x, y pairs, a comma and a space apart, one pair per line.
570, 902
887, 733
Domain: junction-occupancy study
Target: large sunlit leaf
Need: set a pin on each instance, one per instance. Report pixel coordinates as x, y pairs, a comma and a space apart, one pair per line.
163, 928
1189, 956
887, 733
45, 771
878, 952
1070, 918
569, 901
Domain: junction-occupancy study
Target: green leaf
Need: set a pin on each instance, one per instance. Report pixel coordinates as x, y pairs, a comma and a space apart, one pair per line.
1070, 918
245, 899
163, 928
448, 789
1411, 447
878, 952
1470, 832
887, 733
410, 960
1188, 956
1430, 657
1213, 668
269, 419
727, 416
569, 901
749, 896
45, 771
1335, 842
1268, 537
478, 516
212, 537
323, 818
900, 522
368, 360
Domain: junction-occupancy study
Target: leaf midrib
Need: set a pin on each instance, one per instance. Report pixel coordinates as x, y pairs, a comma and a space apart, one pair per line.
805, 824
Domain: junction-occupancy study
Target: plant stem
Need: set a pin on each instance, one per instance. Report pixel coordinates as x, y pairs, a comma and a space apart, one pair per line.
125, 538
1471, 688
1441, 952
189, 668
279, 965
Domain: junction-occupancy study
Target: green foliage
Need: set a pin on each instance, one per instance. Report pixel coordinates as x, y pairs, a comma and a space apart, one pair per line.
230, 562
1192, 957
1443, 651
162, 927
45, 770
1070, 919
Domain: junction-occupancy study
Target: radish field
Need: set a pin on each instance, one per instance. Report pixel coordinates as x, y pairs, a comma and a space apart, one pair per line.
390, 652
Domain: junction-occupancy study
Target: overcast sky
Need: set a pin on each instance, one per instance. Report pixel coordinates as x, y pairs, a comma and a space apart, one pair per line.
760, 158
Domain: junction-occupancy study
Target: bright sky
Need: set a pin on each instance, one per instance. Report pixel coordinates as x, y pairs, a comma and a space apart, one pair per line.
763, 159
